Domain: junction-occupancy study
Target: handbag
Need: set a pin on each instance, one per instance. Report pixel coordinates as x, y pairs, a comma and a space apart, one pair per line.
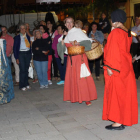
30, 71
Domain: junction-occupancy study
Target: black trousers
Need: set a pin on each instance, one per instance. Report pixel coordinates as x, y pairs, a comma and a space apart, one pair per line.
97, 66
135, 48
55, 67
136, 64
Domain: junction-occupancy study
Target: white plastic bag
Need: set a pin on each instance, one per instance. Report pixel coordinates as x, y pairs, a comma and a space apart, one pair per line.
84, 71
66, 51
30, 70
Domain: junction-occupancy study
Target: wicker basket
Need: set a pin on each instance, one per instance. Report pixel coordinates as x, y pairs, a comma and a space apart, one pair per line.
95, 52
76, 50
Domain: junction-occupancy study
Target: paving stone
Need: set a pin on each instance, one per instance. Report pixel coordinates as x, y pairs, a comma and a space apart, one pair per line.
41, 114
81, 135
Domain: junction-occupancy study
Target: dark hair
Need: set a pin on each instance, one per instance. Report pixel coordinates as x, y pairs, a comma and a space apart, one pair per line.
53, 27
62, 26
103, 13
90, 27
94, 23
4, 27
45, 28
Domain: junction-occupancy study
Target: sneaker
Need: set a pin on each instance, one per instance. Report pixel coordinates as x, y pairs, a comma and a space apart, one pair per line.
24, 89
98, 78
50, 82
16, 84
101, 67
42, 86
35, 81
28, 87
60, 83
46, 86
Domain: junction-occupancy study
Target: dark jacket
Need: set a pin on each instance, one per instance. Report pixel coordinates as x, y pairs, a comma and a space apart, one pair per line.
16, 46
43, 45
105, 23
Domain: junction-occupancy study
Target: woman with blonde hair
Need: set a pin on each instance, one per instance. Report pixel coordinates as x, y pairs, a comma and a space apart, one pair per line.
79, 86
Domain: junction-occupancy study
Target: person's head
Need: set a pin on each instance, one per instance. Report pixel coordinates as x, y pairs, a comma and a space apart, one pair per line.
137, 21
60, 29
17, 31
42, 22
118, 16
49, 24
38, 34
69, 22
94, 26
86, 27
103, 16
4, 30
22, 29
27, 26
43, 28
34, 31
78, 24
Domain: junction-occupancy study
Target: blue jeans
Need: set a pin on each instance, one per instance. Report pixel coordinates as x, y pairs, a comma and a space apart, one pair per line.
62, 67
41, 68
24, 63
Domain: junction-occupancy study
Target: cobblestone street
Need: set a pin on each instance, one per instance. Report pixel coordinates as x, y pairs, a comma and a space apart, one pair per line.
41, 114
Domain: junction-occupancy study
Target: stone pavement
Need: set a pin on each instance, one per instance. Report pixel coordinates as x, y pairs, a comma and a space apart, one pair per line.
41, 114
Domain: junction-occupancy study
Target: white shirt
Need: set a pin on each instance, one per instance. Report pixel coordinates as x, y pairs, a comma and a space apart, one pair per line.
32, 39
136, 29
22, 44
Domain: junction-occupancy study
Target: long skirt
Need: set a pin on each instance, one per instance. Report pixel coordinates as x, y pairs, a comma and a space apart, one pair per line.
78, 89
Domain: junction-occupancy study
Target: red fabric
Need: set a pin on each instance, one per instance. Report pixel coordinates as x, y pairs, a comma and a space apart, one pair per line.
78, 89
55, 33
9, 44
45, 35
120, 95
49, 66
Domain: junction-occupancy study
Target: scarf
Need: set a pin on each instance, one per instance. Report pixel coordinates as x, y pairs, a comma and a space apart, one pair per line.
26, 41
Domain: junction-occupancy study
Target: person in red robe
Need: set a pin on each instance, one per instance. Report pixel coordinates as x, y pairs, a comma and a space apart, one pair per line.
120, 94
77, 88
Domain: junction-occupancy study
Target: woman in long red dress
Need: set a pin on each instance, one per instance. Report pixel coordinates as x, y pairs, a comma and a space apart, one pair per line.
120, 95
77, 88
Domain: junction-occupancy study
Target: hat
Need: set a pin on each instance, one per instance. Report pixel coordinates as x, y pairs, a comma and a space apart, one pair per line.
118, 16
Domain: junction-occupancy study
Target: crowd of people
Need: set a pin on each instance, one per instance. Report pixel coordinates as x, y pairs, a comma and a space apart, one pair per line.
45, 48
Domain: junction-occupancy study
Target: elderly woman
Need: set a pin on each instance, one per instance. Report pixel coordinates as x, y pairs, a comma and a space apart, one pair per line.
22, 53
98, 36
120, 95
40, 50
78, 86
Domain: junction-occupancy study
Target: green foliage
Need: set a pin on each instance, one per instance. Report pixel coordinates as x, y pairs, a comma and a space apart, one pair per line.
106, 6
80, 13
